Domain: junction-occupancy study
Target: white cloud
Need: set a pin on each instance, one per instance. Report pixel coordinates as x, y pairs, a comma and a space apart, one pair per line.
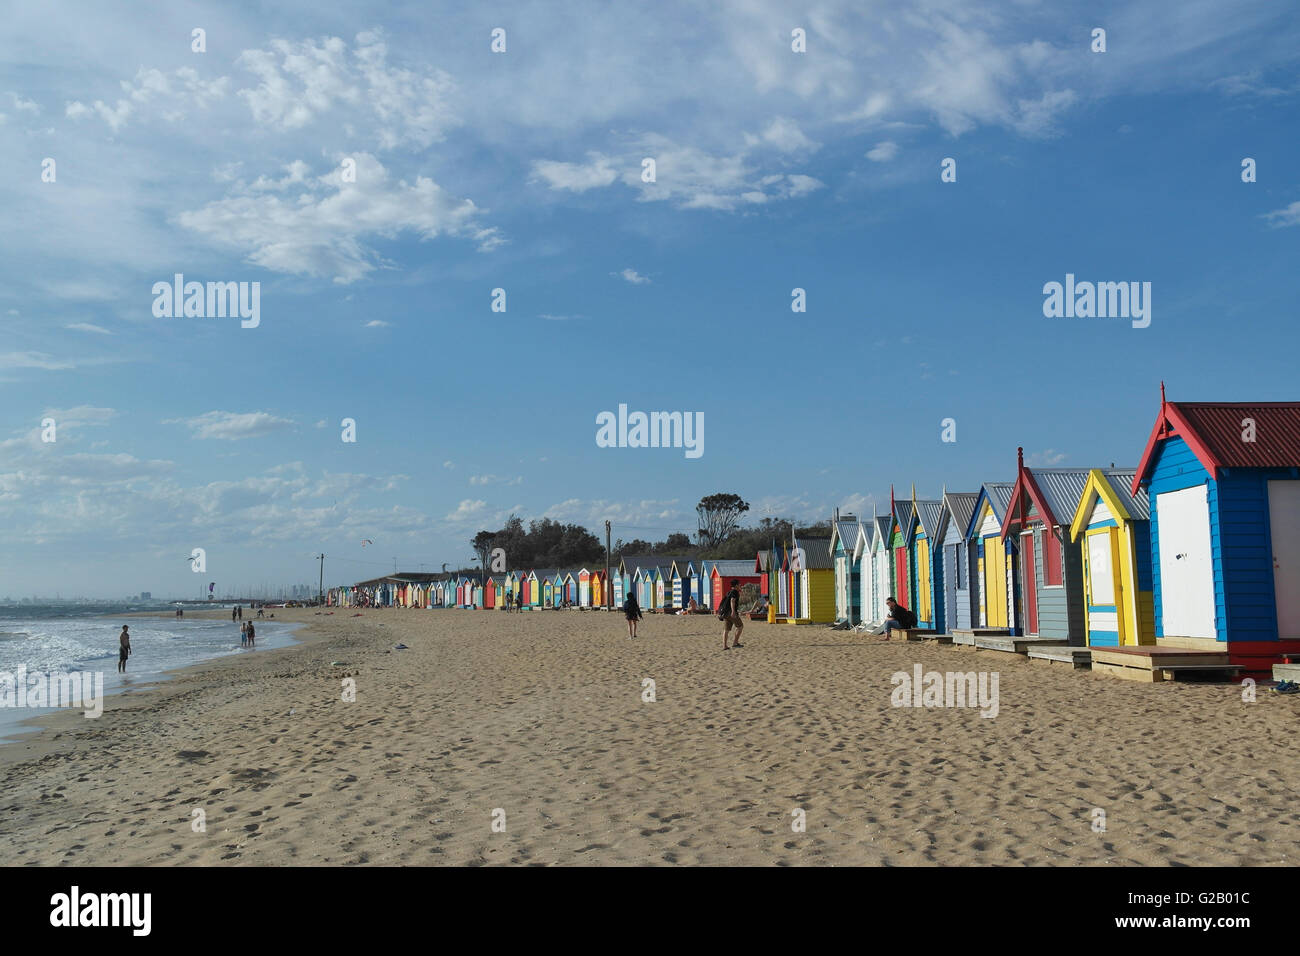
449, 464
1286, 216
88, 327
784, 135
467, 510
883, 152
377, 324
577, 177
494, 480
24, 106
41, 360
632, 276
232, 426
1047, 458
321, 230
308, 80
80, 415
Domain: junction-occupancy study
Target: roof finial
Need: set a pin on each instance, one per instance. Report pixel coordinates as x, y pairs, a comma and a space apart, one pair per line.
1020, 458
891, 497
1162, 392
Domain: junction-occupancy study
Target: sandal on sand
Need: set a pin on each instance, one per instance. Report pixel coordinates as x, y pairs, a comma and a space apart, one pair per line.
738, 644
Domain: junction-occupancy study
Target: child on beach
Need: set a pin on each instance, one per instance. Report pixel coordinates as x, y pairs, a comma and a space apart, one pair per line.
124, 650
243, 635
632, 611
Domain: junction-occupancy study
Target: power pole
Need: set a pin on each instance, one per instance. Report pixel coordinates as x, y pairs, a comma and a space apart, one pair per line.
320, 596
609, 586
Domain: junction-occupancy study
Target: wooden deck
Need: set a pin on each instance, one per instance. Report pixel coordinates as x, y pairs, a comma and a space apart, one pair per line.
1013, 644
967, 635
1153, 664
1078, 657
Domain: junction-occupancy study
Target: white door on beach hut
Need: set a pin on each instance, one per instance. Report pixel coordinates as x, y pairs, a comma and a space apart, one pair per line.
1186, 572
1284, 522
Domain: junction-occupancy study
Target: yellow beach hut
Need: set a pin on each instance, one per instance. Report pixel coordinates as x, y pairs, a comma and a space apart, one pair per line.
1112, 527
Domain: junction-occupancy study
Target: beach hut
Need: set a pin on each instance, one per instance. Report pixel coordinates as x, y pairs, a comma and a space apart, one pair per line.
571, 588
994, 581
598, 594
1112, 529
722, 573
848, 595
860, 567
957, 549
899, 537
763, 568
1223, 480
813, 580
879, 569
704, 580
663, 586
477, 593
1050, 574
679, 589
926, 557
584, 588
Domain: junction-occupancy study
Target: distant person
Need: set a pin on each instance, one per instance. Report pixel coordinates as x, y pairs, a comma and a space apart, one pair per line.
252, 635
233, 613
240, 609
900, 618
124, 649
259, 610
243, 635
729, 614
632, 611
510, 602
690, 608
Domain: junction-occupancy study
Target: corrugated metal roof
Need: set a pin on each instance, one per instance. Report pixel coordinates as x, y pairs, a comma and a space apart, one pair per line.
929, 512
999, 493
903, 513
866, 535
847, 532
1121, 482
1219, 426
883, 524
961, 504
734, 569
1062, 487
816, 553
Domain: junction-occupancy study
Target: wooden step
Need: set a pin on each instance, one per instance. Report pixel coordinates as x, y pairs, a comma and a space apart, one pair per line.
920, 634
1080, 657
1150, 657
1015, 644
1286, 671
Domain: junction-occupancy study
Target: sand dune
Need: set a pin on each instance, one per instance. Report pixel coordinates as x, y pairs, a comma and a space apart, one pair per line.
541, 716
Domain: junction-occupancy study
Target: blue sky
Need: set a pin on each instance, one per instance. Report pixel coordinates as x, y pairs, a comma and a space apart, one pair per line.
522, 170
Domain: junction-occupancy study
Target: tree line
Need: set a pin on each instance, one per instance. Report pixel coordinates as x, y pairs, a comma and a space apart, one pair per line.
547, 543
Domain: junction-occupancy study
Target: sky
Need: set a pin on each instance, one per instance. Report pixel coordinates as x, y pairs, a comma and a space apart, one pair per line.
379, 171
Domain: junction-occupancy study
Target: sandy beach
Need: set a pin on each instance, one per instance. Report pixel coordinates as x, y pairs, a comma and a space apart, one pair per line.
541, 717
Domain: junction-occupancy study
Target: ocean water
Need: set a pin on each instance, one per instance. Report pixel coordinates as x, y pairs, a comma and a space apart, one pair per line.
65, 638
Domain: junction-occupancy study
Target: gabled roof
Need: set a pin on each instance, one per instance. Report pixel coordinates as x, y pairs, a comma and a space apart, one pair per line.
1055, 492
1113, 486
816, 553
762, 562
1213, 431
904, 516
958, 507
844, 531
928, 513
682, 565
884, 525
998, 495
736, 569
866, 535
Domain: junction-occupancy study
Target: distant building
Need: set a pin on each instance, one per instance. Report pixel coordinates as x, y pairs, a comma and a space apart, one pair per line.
146, 595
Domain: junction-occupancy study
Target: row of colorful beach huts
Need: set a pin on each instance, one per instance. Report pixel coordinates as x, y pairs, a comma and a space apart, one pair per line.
659, 583
1197, 548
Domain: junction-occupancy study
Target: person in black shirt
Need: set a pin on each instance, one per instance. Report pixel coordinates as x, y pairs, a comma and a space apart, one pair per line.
632, 611
900, 618
729, 614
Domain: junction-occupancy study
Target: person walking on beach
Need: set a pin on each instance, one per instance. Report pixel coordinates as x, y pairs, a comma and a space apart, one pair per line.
252, 635
510, 602
232, 614
259, 612
632, 611
729, 614
243, 635
240, 609
124, 649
